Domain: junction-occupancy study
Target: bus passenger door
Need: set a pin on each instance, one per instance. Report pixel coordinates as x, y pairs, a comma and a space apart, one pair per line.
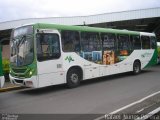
49, 58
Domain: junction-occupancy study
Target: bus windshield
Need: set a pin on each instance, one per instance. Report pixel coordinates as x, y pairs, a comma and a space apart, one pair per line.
22, 50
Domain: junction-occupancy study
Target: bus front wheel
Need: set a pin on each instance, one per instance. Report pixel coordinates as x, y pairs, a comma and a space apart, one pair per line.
73, 78
136, 67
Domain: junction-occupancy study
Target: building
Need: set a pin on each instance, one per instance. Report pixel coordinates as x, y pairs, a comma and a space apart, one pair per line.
147, 20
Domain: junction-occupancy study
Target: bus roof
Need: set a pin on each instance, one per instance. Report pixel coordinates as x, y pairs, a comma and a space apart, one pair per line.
82, 28
148, 34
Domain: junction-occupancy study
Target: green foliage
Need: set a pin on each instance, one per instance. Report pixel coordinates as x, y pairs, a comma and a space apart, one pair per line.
5, 63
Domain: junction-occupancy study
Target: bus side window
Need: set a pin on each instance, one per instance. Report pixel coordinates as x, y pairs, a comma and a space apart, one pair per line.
91, 46
70, 41
153, 42
135, 42
123, 42
90, 41
145, 42
48, 46
108, 41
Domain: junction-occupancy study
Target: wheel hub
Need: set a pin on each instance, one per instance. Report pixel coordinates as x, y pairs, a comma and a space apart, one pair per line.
74, 78
136, 68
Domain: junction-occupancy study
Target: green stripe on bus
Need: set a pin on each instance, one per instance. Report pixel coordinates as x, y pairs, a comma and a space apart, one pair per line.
153, 60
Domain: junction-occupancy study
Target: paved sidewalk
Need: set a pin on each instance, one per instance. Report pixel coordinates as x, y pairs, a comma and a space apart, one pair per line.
8, 87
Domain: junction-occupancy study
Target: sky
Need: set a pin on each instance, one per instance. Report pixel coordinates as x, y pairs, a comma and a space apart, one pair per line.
23, 9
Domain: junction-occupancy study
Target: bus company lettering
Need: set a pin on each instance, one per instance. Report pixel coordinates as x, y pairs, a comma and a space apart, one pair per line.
146, 55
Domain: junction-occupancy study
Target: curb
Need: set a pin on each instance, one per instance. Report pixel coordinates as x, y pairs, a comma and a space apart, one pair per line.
10, 88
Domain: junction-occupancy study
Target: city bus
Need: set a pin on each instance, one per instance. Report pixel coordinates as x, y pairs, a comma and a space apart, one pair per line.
49, 54
1, 69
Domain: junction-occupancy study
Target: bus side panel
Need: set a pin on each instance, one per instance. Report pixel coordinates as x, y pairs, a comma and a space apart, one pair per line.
143, 55
90, 69
50, 72
153, 60
93, 70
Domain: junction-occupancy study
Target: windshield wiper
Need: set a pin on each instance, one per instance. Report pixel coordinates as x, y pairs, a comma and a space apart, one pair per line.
22, 40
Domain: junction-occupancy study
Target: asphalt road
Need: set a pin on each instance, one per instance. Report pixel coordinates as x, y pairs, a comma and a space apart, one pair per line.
95, 96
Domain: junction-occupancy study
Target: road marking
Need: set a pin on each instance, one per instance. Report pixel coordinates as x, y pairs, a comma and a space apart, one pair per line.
149, 114
145, 108
127, 106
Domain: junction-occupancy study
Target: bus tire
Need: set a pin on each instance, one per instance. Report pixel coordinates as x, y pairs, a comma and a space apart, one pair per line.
136, 67
73, 78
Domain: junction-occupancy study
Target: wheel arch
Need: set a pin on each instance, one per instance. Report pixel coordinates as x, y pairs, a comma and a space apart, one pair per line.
79, 68
137, 60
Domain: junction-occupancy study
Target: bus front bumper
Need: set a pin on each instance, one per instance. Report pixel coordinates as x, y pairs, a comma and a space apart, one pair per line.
28, 82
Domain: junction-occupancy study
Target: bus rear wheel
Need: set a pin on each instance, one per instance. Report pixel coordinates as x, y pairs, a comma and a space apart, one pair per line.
73, 78
136, 67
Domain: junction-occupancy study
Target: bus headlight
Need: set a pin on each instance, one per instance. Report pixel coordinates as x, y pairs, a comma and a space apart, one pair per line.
30, 73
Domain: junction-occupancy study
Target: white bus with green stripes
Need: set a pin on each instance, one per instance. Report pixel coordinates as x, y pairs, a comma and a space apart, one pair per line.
49, 54
1, 69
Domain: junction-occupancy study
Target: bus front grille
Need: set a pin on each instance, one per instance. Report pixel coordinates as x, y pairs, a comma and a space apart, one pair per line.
19, 76
19, 70
18, 81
